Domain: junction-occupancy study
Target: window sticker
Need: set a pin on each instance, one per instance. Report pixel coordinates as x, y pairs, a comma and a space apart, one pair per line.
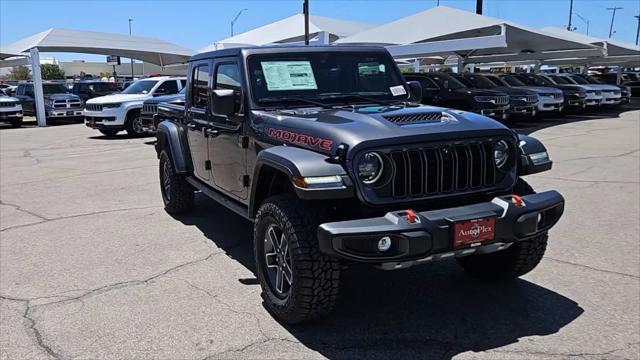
398, 90
288, 75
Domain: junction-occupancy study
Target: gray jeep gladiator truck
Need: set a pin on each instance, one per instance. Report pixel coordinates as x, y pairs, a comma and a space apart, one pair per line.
325, 151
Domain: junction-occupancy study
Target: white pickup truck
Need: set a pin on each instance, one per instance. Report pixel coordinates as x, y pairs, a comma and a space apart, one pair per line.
113, 113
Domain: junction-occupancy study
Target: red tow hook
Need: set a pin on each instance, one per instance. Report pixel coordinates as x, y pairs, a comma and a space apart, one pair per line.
517, 200
411, 216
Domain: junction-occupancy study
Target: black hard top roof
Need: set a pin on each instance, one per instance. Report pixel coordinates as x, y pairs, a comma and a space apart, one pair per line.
275, 49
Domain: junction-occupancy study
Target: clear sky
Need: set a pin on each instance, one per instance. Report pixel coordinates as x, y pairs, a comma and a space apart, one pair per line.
195, 24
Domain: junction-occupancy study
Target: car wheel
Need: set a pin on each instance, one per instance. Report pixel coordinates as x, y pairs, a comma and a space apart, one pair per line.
133, 124
109, 133
513, 262
299, 283
177, 193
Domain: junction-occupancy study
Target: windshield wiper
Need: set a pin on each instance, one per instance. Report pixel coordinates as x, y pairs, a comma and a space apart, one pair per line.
276, 99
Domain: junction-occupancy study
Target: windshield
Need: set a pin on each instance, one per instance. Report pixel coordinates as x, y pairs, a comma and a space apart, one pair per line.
140, 87
105, 86
562, 80
540, 80
54, 89
591, 79
512, 80
447, 81
288, 78
579, 80
481, 82
496, 80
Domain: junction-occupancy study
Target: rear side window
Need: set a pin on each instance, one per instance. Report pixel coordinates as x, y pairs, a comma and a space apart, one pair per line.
168, 87
199, 86
20, 90
183, 83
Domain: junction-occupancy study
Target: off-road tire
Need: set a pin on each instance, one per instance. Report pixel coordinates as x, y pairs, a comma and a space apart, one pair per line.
109, 133
178, 197
315, 276
133, 124
515, 261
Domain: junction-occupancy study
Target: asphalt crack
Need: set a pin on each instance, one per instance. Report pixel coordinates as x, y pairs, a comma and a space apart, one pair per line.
592, 268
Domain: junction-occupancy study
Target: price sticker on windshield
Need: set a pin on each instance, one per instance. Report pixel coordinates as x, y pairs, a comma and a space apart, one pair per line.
398, 90
288, 75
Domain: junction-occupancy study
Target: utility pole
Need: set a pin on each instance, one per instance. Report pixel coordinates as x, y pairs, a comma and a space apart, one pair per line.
236, 18
479, 7
570, 13
638, 28
305, 11
613, 16
585, 20
131, 59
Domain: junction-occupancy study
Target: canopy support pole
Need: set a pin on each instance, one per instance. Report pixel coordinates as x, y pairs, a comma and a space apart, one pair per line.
323, 38
416, 65
460, 64
38, 94
536, 67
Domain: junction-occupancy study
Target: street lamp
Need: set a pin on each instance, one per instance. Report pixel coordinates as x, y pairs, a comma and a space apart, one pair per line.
585, 20
236, 18
131, 59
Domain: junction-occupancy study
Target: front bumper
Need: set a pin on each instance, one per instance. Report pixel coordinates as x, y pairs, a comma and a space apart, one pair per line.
148, 123
64, 112
431, 234
498, 112
550, 104
526, 110
611, 100
10, 115
575, 103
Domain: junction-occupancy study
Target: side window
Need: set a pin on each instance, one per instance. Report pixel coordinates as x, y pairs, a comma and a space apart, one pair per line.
168, 87
199, 85
29, 90
20, 90
428, 83
183, 82
228, 77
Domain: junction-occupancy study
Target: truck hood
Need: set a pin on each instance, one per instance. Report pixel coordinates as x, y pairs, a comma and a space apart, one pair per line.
479, 92
603, 87
359, 127
61, 96
118, 98
514, 90
8, 99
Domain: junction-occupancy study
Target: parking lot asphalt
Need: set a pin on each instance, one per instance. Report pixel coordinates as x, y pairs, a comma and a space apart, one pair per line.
91, 267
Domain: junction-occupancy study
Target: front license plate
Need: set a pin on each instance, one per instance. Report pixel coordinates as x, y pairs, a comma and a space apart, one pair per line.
474, 231
69, 113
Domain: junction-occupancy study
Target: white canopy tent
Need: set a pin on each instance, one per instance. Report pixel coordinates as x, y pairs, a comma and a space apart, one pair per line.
150, 50
447, 31
290, 30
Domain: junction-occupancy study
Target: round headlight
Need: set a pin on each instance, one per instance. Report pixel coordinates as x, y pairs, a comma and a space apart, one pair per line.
370, 168
500, 153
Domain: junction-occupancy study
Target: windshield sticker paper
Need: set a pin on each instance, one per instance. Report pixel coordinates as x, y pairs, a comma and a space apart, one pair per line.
288, 75
398, 90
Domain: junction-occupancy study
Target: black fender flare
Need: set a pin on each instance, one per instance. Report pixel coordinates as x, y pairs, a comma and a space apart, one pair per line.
170, 135
298, 162
529, 145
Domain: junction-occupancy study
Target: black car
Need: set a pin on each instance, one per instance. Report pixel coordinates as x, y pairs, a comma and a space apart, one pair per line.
58, 102
325, 151
575, 97
634, 87
521, 101
90, 89
442, 89
150, 109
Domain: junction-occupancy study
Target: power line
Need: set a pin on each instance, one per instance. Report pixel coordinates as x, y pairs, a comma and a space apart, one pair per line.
613, 16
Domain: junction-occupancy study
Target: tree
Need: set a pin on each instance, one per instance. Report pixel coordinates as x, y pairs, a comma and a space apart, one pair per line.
51, 72
19, 73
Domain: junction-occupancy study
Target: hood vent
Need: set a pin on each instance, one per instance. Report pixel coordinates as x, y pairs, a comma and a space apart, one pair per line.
423, 117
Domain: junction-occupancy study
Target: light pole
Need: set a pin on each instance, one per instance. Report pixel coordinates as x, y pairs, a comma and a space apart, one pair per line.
613, 16
638, 28
236, 18
570, 13
585, 20
131, 59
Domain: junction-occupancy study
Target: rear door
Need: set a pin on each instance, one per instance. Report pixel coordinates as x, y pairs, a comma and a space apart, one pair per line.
25, 94
227, 148
197, 118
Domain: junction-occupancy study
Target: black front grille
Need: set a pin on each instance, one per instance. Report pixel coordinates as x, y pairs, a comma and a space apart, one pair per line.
532, 98
439, 170
415, 118
149, 108
8, 104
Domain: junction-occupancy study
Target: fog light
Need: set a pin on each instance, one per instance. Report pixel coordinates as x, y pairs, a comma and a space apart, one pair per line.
384, 243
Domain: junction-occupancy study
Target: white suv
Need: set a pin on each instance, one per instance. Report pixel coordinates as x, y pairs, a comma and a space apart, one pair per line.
113, 113
10, 110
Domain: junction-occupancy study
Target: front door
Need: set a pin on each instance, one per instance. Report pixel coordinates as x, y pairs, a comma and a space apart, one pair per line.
227, 148
197, 119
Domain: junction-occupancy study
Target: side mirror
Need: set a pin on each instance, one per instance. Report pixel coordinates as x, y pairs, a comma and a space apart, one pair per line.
223, 102
416, 90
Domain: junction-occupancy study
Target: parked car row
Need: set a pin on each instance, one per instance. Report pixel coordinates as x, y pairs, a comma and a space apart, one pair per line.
504, 96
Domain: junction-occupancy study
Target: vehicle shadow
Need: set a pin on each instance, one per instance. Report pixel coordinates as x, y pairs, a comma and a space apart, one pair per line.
430, 311
532, 125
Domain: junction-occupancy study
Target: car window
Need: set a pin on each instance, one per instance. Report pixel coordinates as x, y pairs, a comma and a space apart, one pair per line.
104, 86
228, 77
20, 90
562, 80
579, 80
140, 87
53, 89
168, 87
496, 80
447, 82
427, 83
512, 80
481, 82
199, 86
465, 81
183, 82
